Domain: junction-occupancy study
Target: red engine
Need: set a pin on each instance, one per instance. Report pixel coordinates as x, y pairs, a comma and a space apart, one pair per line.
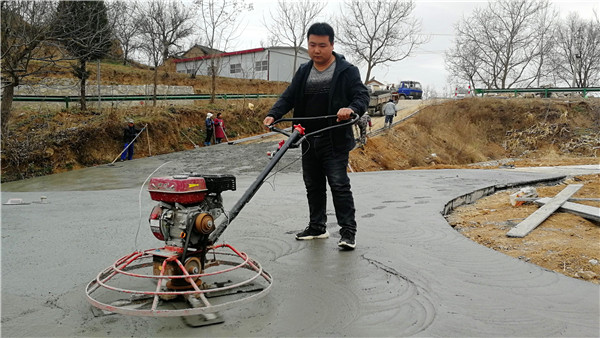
185, 213
178, 189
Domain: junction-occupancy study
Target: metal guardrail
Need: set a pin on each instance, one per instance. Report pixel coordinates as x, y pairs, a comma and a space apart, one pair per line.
546, 91
90, 98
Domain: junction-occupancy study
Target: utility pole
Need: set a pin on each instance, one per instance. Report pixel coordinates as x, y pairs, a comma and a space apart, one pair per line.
98, 84
577, 61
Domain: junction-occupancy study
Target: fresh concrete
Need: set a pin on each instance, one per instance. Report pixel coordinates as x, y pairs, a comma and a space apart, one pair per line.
411, 274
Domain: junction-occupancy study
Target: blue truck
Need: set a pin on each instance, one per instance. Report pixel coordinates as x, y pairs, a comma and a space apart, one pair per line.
410, 90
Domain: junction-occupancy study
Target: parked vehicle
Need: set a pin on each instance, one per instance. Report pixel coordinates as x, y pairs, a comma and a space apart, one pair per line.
377, 100
410, 90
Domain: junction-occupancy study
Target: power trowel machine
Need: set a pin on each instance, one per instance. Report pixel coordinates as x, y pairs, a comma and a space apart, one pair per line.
191, 276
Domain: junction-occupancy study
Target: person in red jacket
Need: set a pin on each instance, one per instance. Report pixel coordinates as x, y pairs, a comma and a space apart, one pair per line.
219, 128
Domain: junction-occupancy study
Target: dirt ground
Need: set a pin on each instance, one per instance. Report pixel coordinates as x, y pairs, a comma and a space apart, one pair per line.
564, 243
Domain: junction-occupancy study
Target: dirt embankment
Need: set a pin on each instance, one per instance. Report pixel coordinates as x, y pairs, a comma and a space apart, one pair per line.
449, 134
56, 141
565, 243
458, 133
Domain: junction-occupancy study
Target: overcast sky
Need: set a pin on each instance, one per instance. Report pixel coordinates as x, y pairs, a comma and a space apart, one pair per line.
427, 64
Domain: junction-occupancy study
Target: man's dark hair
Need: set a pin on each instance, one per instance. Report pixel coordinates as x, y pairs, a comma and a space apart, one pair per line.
321, 28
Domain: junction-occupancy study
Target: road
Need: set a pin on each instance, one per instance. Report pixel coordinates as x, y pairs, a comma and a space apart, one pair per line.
411, 274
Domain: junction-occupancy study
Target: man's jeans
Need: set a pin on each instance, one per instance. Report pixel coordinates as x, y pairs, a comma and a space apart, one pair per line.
321, 164
128, 153
389, 119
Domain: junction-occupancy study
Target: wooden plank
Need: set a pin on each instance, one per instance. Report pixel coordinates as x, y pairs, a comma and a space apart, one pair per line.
540, 215
585, 211
572, 199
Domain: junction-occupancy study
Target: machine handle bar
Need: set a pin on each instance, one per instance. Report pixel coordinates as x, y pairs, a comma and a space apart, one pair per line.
352, 120
295, 138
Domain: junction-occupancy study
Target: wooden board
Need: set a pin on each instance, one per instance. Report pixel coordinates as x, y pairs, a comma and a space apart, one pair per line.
540, 215
585, 211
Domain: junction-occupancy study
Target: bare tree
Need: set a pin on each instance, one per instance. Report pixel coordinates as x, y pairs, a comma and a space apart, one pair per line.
25, 26
173, 22
545, 21
126, 27
576, 59
507, 42
379, 32
82, 27
163, 26
461, 64
291, 21
218, 26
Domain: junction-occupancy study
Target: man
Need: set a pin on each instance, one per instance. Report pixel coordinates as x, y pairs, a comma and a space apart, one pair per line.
389, 110
363, 123
326, 85
129, 134
209, 123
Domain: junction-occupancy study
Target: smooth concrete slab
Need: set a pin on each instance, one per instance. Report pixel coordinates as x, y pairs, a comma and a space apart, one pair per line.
411, 274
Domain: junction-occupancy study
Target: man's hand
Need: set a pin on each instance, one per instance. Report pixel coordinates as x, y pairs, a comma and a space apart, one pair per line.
268, 121
344, 114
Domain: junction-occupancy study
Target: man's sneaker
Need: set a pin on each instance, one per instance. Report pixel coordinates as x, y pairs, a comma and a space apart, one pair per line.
310, 233
347, 243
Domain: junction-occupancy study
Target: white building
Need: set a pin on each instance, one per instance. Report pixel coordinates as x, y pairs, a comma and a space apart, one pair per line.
271, 64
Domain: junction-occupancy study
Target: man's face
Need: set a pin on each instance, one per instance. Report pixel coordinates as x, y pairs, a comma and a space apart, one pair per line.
320, 49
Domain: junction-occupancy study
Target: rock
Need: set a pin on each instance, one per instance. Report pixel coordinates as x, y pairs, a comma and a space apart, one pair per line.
593, 261
587, 275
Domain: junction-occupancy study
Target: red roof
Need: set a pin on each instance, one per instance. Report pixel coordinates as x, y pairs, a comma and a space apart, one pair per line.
247, 51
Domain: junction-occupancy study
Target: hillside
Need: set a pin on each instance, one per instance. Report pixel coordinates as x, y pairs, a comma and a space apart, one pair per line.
112, 73
499, 131
450, 133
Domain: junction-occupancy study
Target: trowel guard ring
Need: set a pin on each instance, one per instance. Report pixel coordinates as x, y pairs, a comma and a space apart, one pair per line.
114, 284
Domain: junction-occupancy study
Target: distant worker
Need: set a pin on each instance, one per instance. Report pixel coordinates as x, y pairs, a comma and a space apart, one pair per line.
219, 129
209, 129
389, 110
129, 134
362, 123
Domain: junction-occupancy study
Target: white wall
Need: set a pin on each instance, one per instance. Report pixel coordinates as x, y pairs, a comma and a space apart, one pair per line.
280, 61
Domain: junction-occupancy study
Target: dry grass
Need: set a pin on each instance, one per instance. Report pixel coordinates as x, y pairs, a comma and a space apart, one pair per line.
458, 133
41, 143
115, 73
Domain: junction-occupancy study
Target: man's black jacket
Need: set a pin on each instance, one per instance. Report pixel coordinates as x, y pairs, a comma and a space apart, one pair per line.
129, 133
347, 90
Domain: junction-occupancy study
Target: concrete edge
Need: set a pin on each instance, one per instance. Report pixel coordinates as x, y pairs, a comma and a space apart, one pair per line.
473, 196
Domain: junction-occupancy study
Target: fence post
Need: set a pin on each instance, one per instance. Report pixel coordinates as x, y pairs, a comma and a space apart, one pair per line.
67, 102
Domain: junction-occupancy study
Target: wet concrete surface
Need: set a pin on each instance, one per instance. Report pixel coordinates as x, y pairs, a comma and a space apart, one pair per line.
411, 274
